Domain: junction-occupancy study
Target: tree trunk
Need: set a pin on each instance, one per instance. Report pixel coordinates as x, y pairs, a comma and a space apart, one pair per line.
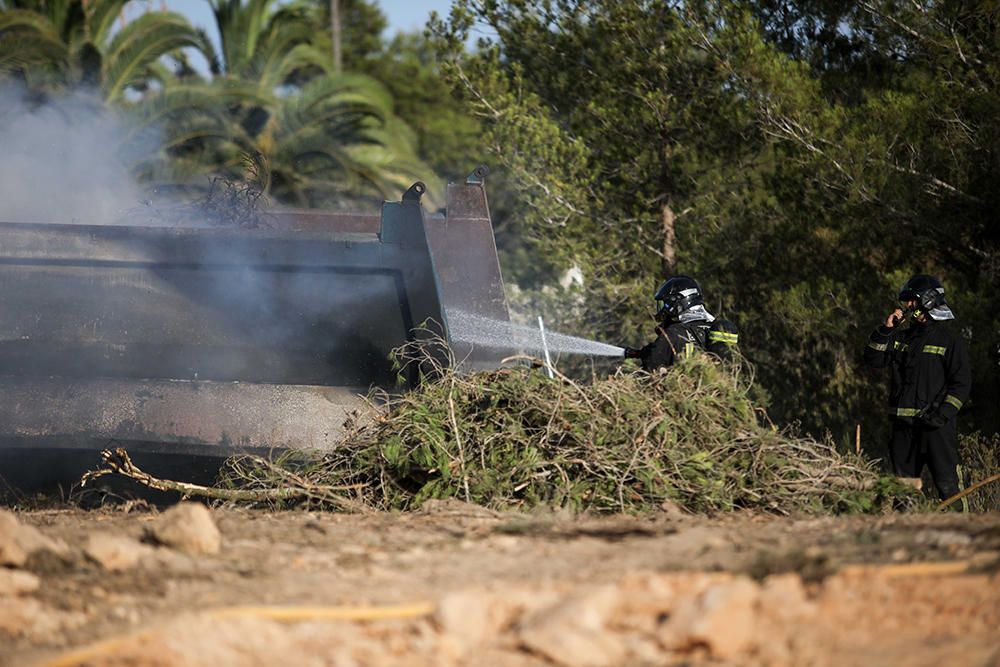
669, 239
338, 61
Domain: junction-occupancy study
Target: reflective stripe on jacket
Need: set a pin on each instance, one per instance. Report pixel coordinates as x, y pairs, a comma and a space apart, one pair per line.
682, 339
930, 369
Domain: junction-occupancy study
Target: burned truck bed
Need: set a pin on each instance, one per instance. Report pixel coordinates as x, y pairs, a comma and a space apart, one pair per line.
188, 344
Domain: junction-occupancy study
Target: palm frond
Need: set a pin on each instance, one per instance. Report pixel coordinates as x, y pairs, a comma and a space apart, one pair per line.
274, 66
21, 51
101, 16
140, 44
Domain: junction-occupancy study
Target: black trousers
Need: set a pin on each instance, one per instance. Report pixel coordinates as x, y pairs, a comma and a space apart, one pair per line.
915, 445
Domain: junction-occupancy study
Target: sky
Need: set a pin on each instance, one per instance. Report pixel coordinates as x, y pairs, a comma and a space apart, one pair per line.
410, 15
403, 15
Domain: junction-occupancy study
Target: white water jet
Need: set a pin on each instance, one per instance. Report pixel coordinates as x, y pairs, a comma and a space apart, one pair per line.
497, 334
545, 347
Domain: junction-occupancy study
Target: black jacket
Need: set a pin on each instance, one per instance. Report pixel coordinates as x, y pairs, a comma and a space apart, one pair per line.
931, 378
681, 339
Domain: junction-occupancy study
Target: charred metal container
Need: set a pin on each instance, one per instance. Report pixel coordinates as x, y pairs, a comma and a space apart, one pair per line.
188, 344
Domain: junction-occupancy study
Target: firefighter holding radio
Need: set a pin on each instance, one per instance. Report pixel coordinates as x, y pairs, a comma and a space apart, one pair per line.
931, 380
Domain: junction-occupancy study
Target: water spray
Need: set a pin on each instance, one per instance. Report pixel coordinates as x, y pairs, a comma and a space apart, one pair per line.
502, 335
545, 348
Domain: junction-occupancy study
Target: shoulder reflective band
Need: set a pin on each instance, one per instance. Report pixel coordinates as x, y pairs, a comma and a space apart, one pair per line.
934, 349
906, 412
881, 347
896, 345
723, 337
951, 400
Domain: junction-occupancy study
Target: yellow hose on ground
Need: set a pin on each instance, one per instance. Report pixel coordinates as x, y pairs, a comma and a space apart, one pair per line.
282, 614
939, 569
287, 614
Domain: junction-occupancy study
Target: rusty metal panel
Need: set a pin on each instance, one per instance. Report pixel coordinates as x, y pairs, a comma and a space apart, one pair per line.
311, 220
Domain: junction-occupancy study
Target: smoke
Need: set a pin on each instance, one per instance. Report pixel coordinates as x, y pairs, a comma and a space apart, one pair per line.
67, 159
97, 321
165, 290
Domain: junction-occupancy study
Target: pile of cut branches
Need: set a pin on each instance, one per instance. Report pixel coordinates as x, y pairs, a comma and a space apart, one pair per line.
980, 455
514, 438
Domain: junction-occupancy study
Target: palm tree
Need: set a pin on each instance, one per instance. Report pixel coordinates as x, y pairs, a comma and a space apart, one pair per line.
267, 42
272, 93
65, 43
326, 137
335, 138
330, 140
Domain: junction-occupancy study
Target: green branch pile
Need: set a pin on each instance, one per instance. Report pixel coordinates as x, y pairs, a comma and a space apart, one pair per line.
516, 439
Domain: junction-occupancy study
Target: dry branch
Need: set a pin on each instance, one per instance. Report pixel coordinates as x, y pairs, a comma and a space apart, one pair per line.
117, 461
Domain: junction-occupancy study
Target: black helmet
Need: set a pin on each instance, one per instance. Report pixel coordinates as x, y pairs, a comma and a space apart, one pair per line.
677, 295
926, 291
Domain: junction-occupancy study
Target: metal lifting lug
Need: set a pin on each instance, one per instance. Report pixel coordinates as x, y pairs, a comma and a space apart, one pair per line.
478, 175
416, 191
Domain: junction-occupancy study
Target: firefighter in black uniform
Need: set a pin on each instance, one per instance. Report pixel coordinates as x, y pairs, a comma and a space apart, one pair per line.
931, 380
684, 326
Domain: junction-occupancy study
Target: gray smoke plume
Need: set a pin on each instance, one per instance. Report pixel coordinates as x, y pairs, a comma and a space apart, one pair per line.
166, 290
65, 160
172, 324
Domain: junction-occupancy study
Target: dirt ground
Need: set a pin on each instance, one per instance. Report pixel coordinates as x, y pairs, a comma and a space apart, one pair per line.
459, 585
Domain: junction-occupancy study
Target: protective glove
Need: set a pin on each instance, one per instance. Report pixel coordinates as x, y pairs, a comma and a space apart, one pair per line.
633, 353
934, 419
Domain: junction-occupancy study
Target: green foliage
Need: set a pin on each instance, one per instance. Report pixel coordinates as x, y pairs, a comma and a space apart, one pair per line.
330, 139
362, 24
51, 45
800, 158
559, 95
515, 439
448, 136
266, 43
810, 156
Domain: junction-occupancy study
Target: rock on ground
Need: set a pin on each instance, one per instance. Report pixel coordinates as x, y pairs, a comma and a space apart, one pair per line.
488, 598
468, 620
26, 617
18, 541
115, 553
15, 582
187, 527
721, 619
573, 631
